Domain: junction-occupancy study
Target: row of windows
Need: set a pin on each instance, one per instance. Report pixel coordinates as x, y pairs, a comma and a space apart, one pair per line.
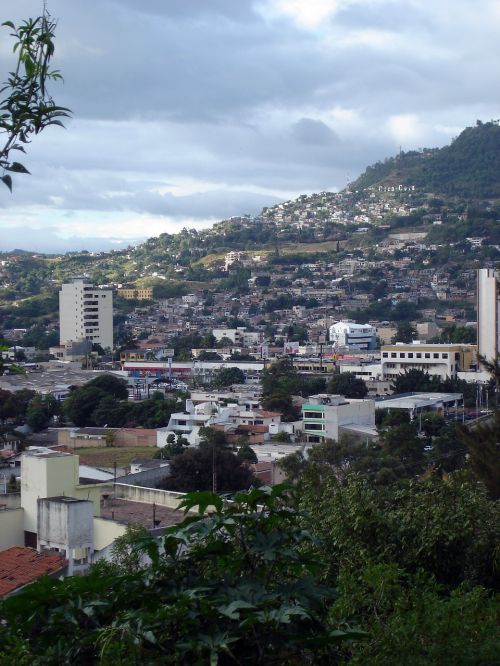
314, 415
434, 355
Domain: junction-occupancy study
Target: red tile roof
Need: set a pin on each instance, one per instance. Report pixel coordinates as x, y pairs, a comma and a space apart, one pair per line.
20, 566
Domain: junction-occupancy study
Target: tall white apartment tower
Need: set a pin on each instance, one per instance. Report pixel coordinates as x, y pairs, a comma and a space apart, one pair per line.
488, 313
86, 313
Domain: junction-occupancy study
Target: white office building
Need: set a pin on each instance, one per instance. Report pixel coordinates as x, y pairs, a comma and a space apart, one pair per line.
353, 336
86, 313
441, 360
488, 313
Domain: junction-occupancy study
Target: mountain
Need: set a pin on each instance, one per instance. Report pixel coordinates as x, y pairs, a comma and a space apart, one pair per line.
468, 168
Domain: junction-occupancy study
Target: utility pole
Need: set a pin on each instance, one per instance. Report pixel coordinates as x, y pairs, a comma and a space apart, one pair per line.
214, 471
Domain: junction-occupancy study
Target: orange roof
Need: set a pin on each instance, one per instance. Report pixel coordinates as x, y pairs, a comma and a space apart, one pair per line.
20, 566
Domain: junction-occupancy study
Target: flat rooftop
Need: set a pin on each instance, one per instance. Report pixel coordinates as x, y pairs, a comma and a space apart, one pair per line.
139, 513
417, 400
55, 378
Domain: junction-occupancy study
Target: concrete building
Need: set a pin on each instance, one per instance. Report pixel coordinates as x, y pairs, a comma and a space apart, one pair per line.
415, 404
86, 313
353, 336
441, 360
66, 524
136, 294
327, 416
238, 336
488, 313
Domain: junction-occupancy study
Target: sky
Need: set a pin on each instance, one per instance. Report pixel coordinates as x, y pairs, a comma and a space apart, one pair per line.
186, 112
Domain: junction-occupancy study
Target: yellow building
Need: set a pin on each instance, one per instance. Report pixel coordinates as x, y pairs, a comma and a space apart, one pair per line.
137, 294
443, 360
56, 476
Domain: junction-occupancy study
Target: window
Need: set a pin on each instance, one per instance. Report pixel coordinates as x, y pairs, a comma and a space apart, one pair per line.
393, 355
402, 355
385, 355
446, 356
435, 355
314, 426
427, 355
314, 415
410, 354
419, 354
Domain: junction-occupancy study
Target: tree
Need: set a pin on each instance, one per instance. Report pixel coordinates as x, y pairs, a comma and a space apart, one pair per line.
412, 381
405, 332
403, 442
348, 385
37, 417
483, 443
281, 377
226, 376
237, 586
111, 385
174, 447
27, 107
246, 453
209, 356
194, 469
81, 403
283, 404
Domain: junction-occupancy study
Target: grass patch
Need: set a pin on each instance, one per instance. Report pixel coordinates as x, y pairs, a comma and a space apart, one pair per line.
107, 456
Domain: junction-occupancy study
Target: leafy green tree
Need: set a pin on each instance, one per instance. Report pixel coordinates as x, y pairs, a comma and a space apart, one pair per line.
27, 107
483, 443
209, 356
174, 447
432, 424
209, 464
226, 376
238, 586
281, 377
245, 452
403, 442
37, 417
283, 404
109, 412
81, 404
445, 527
413, 380
348, 385
113, 386
449, 452
405, 332
413, 622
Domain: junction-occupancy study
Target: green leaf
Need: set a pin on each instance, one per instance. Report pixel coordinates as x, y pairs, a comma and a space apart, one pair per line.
9, 24
8, 181
202, 499
17, 168
231, 611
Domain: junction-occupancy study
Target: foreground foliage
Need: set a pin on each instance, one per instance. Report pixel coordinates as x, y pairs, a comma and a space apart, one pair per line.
27, 108
237, 587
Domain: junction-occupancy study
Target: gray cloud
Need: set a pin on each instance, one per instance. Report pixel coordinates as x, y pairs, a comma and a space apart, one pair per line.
200, 109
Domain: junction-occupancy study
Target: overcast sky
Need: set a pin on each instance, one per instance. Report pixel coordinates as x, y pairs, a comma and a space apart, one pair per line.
189, 111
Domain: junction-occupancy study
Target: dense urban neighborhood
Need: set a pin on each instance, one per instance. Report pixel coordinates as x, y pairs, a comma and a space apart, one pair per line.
226, 425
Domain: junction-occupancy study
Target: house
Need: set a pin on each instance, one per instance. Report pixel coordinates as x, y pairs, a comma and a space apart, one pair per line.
20, 566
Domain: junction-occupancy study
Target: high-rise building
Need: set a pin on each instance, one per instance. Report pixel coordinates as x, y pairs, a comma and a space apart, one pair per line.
488, 313
86, 313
